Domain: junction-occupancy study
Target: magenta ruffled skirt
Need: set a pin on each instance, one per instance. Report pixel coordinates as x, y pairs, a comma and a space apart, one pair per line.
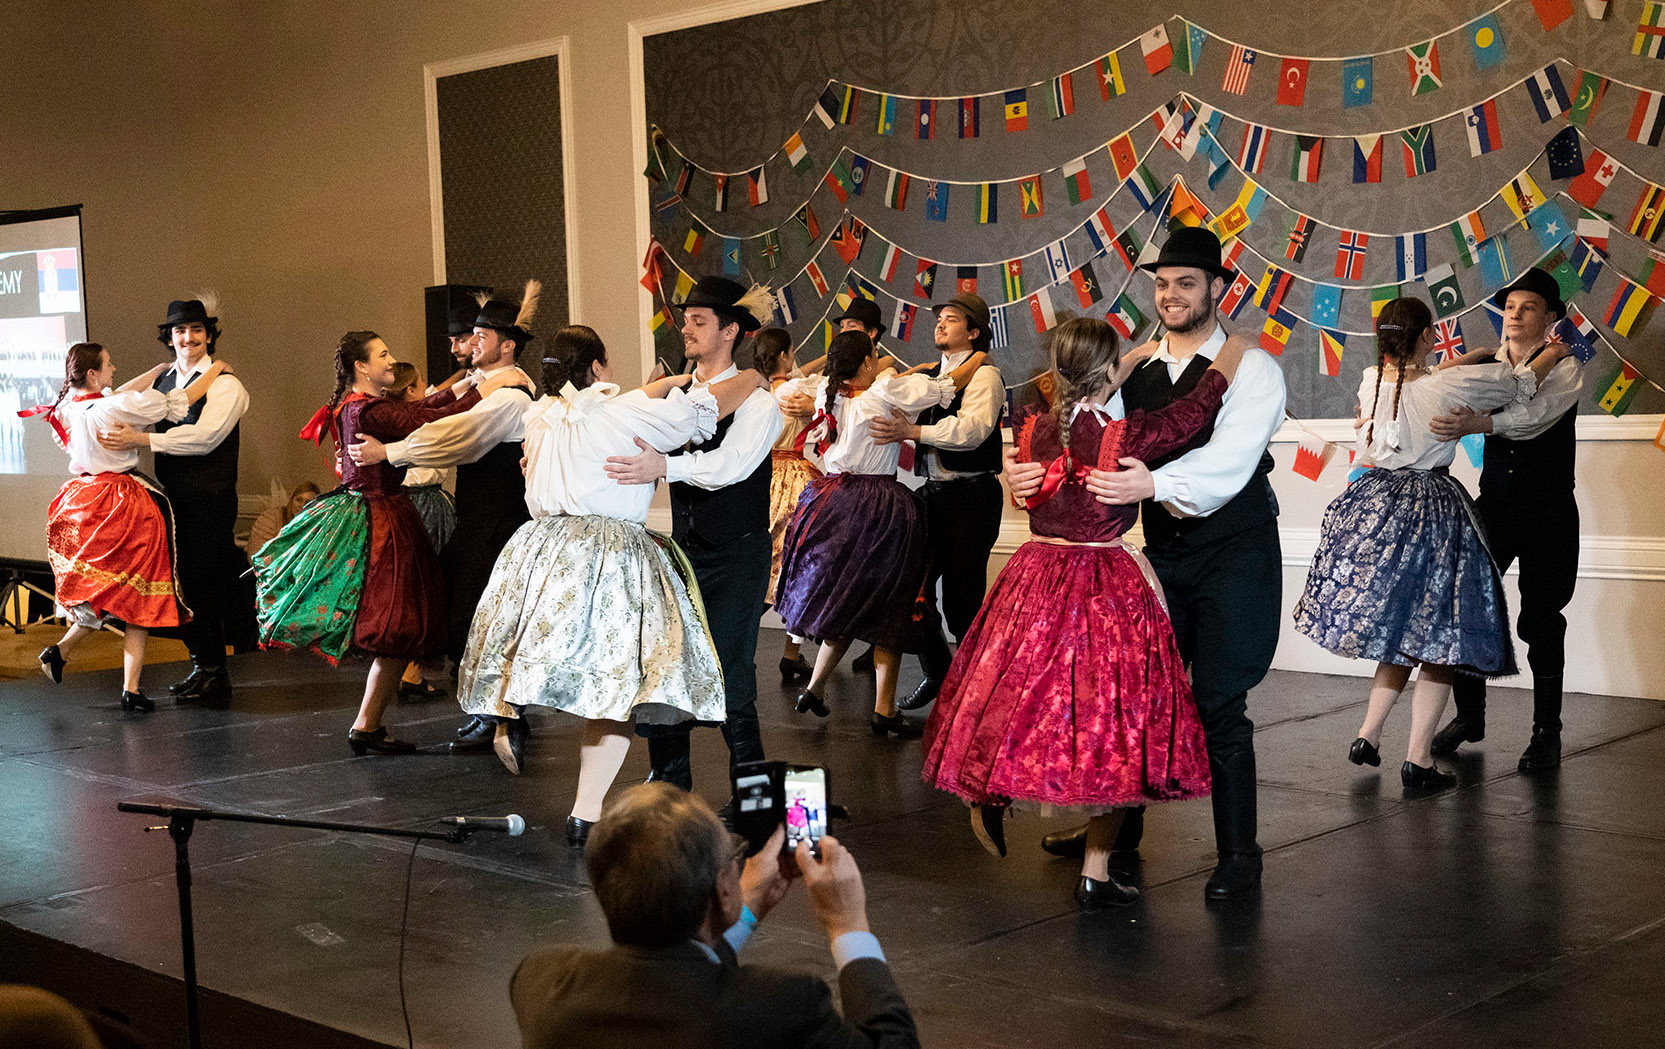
1068, 690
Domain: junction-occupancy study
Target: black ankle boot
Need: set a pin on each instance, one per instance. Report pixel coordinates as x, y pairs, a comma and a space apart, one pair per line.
668, 760
1235, 820
1543, 753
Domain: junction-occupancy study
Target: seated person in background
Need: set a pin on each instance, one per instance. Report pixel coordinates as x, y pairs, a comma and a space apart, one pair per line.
680, 900
273, 518
31, 1018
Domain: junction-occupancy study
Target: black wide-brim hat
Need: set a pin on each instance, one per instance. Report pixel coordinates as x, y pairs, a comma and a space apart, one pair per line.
722, 297
459, 319
499, 315
186, 311
1538, 283
864, 311
1191, 246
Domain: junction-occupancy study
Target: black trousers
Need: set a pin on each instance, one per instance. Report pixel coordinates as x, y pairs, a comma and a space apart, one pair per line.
734, 580
1542, 534
210, 567
466, 563
963, 521
1225, 600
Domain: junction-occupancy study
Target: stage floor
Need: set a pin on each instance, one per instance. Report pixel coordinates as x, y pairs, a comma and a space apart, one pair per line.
1512, 911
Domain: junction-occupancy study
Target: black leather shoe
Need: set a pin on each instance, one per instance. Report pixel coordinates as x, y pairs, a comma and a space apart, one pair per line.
1070, 844
1417, 778
52, 664
1238, 874
509, 740
377, 740
420, 690
1543, 753
192, 680
1362, 753
468, 727
479, 738
896, 724
578, 831
988, 823
924, 695
1091, 894
794, 669
137, 702
1461, 730
863, 664
809, 703
212, 685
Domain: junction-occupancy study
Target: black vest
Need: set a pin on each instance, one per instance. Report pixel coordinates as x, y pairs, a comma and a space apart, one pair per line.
1522, 471
215, 471
1148, 389
985, 458
713, 518
491, 493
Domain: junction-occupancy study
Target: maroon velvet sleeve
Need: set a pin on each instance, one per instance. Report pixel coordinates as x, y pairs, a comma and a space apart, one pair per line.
395, 420
1159, 432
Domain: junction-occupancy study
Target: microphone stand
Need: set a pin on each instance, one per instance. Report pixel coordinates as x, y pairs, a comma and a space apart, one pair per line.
183, 820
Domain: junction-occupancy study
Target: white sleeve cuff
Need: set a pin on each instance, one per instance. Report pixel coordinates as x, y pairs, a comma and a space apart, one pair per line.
853, 946
705, 411
676, 468
397, 453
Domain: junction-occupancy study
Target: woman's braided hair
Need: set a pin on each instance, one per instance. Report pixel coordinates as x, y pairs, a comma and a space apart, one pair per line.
1398, 327
1083, 352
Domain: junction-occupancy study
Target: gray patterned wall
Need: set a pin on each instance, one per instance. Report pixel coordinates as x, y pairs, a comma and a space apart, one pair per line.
500, 165
727, 95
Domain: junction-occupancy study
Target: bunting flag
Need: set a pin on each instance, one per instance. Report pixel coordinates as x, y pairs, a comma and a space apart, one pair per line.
1357, 82
1577, 332
1062, 98
1647, 122
1274, 335
1620, 390
1448, 340
1444, 290
988, 203
1549, 95
1410, 256
1598, 174
1596, 9
1185, 208
848, 240
805, 217
684, 179
1381, 296
896, 190
1326, 305
1312, 454
885, 119
936, 201
757, 187
1419, 150
1123, 157
1591, 86
1237, 295
1029, 197
1058, 261
1292, 82
999, 336
1330, 345
1650, 31
796, 154
785, 305
1238, 66
1129, 248
1251, 157
1484, 134
925, 123
1040, 309
892, 261
1243, 211
1017, 110
1269, 293
858, 173
1110, 82
1011, 282
720, 194
925, 279
1309, 152
731, 256
1100, 231
1631, 306
1522, 195
1189, 47
1125, 317
1468, 232
1076, 183
1645, 218
1594, 228
837, 179
1495, 267
971, 113
901, 325
1367, 159
826, 107
816, 278
1349, 256
695, 240
1144, 187
965, 279
1159, 54
1565, 154
684, 285
1653, 274
1485, 39
1086, 285
1301, 228
1424, 62
1552, 12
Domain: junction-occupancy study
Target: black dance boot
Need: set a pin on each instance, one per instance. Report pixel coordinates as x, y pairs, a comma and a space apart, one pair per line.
1469, 726
1235, 819
744, 739
192, 680
1544, 752
668, 760
209, 685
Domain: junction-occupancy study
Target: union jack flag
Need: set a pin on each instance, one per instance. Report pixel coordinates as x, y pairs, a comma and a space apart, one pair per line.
1448, 340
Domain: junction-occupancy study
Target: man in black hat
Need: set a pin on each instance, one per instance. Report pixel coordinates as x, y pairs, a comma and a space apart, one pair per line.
483, 443
719, 516
196, 465
460, 330
1526, 502
958, 453
1211, 532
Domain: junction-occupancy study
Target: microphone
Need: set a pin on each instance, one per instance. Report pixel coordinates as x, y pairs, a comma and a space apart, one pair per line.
512, 825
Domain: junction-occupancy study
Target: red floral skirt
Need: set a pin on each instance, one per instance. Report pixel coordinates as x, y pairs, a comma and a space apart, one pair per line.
1068, 690
111, 551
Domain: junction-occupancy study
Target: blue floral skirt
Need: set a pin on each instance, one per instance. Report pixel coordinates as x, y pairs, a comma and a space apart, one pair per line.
1402, 575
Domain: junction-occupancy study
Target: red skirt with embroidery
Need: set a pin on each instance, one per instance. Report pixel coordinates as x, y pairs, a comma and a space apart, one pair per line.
111, 551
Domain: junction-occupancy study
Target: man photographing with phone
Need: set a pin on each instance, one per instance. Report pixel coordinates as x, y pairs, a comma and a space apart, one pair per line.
681, 899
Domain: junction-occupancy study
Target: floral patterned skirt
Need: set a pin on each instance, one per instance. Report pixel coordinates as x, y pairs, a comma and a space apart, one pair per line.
791, 476
437, 510
1402, 575
110, 546
1068, 690
597, 617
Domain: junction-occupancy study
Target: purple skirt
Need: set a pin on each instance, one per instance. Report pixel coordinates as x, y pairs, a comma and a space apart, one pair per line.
853, 563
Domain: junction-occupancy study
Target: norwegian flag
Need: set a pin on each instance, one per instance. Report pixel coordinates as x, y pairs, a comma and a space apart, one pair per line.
1448, 340
1349, 257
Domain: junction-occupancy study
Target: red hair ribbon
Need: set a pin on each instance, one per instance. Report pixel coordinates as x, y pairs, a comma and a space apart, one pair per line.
49, 412
319, 425
825, 442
